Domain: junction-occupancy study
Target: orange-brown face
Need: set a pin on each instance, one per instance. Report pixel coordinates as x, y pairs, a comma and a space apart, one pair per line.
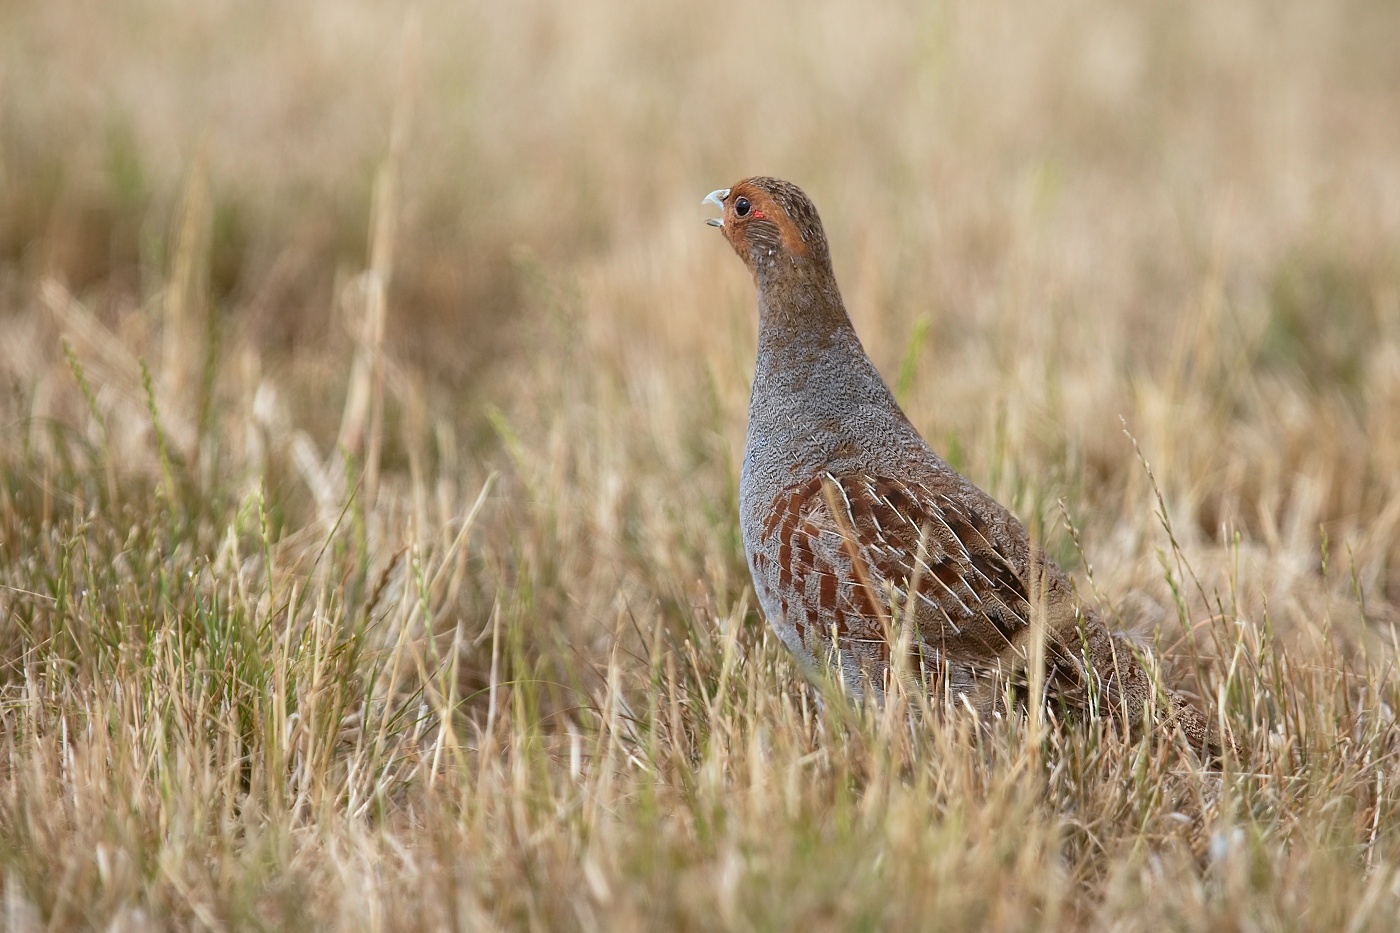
766, 219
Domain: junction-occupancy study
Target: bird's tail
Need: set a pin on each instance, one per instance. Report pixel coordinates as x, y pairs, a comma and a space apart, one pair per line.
1116, 678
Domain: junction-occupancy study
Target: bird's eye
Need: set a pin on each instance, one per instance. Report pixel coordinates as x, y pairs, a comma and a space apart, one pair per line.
741, 207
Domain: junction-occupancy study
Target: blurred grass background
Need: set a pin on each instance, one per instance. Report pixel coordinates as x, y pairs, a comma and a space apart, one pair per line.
368, 547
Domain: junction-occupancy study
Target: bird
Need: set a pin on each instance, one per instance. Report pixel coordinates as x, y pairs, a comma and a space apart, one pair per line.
870, 555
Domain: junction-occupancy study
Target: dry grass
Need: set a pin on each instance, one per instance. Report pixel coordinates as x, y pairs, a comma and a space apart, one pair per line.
368, 547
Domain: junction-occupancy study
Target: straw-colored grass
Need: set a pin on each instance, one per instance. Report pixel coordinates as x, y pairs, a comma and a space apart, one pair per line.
368, 540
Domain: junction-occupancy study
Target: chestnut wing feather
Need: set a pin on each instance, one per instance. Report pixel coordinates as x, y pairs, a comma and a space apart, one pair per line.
853, 546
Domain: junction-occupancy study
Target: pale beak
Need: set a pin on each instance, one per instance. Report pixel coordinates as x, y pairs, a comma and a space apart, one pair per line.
717, 199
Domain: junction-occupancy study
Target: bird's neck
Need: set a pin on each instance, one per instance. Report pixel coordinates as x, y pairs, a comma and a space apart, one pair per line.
800, 311
815, 392
809, 357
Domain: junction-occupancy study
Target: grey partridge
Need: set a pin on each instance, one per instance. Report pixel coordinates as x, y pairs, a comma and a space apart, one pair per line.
868, 552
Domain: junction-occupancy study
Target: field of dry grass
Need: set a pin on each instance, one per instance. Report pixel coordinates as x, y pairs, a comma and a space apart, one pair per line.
375, 398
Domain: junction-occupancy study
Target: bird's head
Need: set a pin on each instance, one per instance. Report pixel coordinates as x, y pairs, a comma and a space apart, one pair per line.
772, 225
